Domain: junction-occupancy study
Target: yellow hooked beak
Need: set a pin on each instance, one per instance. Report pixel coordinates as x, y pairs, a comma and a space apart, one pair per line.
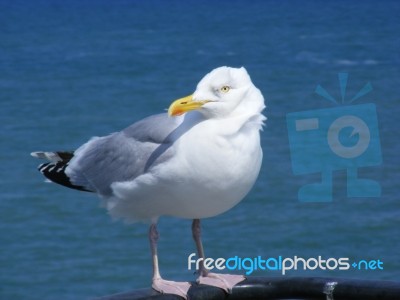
183, 105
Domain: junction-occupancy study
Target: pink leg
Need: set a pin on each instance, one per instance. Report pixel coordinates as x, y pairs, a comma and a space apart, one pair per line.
159, 284
223, 281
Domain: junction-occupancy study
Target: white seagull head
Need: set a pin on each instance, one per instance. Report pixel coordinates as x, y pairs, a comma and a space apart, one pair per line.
223, 92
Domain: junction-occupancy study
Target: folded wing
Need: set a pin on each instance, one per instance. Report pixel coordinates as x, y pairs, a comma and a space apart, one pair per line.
118, 157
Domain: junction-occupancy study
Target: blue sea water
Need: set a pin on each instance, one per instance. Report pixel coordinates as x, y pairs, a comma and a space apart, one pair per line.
70, 70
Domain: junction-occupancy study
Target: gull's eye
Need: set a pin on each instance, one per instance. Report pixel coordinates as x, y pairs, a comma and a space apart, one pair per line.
225, 89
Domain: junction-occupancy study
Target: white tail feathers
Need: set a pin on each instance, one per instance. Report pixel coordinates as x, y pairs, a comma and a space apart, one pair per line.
50, 156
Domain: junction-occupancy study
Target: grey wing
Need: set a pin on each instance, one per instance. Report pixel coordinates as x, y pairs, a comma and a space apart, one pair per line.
122, 156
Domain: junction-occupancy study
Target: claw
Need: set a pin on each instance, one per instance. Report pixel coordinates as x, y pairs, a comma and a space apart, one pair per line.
171, 287
223, 281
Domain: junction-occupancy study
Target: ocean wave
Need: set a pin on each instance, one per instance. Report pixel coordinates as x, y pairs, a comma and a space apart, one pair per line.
318, 58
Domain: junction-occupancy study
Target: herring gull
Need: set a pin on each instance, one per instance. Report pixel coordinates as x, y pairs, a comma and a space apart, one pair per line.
196, 161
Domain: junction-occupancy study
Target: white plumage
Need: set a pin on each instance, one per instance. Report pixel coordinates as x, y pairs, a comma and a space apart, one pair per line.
198, 162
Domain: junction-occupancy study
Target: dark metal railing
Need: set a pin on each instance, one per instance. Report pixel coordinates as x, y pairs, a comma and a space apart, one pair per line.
294, 288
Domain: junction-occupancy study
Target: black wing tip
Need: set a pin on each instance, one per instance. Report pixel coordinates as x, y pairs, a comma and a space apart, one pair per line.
55, 172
